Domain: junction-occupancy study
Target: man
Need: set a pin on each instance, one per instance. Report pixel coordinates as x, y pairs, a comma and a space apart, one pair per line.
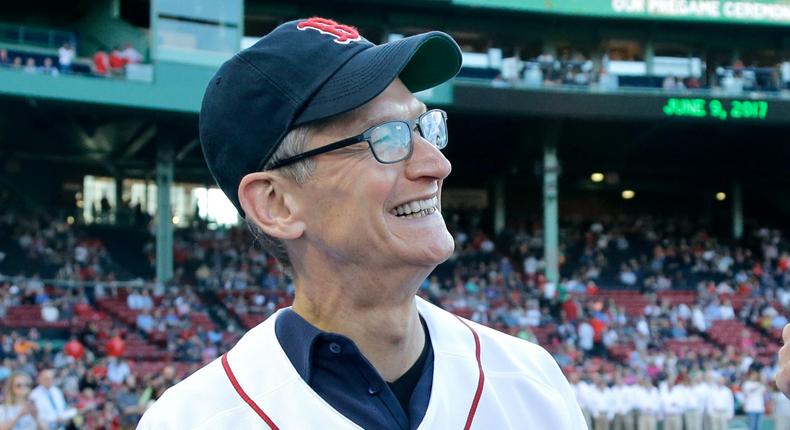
696, 396
117, 370
50, 402
582, 390
602, 404
314, 134
648, 403
623, 396
673, 404
66, 56
720, 405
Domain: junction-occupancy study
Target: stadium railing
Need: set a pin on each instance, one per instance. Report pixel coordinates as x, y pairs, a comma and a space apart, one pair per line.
40, 37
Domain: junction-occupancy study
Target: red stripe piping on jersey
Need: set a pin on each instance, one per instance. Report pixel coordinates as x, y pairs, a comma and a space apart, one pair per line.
480, 380
244, 395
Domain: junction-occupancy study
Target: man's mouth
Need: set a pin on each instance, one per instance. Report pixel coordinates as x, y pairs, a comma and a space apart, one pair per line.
416, 208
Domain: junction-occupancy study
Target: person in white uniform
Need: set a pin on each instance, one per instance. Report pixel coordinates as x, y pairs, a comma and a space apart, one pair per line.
673, 405
648, 404
582, 390
623, 397
315, 135
720, 405
602, 404
696, 396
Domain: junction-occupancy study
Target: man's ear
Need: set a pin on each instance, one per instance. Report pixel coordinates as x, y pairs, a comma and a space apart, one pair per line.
265, 200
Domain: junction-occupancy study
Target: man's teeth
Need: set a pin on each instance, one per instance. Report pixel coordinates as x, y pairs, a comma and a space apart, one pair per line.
417, 208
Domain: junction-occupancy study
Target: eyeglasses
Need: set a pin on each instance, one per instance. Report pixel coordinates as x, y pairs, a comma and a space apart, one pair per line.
390, 141
22, 384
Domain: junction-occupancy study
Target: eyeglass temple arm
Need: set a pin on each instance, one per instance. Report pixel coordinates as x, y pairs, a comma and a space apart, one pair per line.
313, 152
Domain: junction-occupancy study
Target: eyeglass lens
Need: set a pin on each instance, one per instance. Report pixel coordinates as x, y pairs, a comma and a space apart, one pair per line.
434, 128
391, 142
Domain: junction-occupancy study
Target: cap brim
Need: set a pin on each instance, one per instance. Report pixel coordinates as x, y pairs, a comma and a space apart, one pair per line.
422, 61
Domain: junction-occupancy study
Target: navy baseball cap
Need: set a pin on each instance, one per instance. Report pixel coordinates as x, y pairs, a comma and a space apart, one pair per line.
304, 71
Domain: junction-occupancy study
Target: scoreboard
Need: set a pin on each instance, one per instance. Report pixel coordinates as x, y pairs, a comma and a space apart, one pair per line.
716, 108
768, 12
636, 105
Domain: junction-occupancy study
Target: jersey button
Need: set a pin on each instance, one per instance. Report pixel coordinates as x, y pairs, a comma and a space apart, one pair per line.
335, 348
373, 390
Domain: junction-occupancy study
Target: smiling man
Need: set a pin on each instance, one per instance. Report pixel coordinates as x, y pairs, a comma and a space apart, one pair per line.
315, 135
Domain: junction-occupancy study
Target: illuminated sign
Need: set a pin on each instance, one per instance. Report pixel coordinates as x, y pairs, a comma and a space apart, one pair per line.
715, 108
776, 12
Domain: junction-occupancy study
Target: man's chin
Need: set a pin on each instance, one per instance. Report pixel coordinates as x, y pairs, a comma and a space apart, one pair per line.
432, 255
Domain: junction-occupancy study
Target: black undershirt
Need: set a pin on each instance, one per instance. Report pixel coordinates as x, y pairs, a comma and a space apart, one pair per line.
403, 387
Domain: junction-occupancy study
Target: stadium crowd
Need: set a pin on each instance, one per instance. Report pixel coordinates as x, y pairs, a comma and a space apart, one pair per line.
688, 338
103, 63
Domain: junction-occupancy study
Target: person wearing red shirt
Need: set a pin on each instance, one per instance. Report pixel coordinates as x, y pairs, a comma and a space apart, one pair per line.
101, 63
73, 348
117, 61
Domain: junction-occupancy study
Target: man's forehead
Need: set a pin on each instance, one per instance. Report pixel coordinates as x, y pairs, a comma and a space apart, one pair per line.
391, 111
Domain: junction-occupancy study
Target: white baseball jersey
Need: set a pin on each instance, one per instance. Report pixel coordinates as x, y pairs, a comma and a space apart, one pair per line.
482, 379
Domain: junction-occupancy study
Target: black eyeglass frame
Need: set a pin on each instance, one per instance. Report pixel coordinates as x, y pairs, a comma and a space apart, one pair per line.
365, 137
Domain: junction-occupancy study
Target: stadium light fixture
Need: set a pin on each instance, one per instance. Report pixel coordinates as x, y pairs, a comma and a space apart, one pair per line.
628, 194
597, 177
720, 196
176, 219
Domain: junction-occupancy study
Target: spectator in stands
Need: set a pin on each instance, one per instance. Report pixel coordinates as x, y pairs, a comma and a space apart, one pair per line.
30, 65
131, 55
47, 68
117, 62
134, 300
66, 54
17, 63
50, 402
101, 63
16, 411
145, 321
129, 403
49, 312
116, 346
754, 400
117, 370
24, 346
4, 60
693, 82
74, 349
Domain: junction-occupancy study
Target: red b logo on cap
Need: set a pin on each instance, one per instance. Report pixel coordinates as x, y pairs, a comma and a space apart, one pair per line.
342, 34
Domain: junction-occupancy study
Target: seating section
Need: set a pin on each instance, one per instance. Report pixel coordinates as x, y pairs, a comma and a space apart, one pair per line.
635, 293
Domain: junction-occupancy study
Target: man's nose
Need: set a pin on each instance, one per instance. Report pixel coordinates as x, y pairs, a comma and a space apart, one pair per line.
427, 161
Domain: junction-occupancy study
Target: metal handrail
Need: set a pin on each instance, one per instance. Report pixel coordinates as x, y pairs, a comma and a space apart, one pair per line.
67, 283
35, 36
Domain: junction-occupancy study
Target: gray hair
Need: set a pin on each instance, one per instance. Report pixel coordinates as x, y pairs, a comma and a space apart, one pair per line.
294, 143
